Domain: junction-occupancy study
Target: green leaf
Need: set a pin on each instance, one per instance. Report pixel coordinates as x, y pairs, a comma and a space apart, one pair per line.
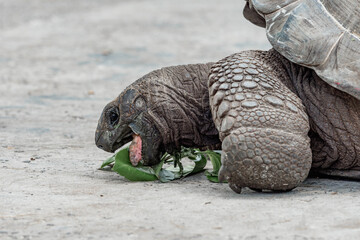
200, 163
157, 168
108, 161
123, 167
214, 179
165, 174
215, 159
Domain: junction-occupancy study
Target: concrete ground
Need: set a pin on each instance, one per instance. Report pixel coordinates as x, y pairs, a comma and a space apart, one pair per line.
61, 61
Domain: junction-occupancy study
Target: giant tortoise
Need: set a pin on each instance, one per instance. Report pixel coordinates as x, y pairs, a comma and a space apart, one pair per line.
277, 114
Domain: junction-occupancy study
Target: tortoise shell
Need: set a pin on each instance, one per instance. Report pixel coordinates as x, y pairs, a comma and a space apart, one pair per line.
320, 34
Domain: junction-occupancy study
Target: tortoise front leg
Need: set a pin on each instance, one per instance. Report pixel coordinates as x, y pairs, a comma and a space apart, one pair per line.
262, 124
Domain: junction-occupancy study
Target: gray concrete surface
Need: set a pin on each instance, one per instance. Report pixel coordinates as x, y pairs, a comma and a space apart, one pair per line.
61, 61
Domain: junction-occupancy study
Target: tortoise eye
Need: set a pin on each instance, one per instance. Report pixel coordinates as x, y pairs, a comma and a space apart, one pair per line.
113, 117
140, 103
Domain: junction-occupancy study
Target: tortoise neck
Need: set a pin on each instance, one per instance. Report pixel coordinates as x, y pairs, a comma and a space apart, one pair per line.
180, 107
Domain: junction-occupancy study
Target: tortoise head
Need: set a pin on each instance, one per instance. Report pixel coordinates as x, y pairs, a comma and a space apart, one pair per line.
160, 112
122, 120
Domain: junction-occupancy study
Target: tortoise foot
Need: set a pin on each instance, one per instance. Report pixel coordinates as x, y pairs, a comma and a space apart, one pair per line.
262, 124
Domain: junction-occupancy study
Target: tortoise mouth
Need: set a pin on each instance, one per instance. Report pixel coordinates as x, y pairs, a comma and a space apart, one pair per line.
140, 151
135, 154
135, 150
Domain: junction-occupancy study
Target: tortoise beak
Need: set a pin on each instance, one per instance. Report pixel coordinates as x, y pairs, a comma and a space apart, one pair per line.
99, 141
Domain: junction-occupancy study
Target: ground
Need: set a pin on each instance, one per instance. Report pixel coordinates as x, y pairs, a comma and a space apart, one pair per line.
61, 61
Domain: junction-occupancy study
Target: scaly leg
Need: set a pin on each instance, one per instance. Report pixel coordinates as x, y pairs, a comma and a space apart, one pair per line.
262, 123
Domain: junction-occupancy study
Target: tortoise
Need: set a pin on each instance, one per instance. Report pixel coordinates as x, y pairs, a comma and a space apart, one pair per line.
276, 114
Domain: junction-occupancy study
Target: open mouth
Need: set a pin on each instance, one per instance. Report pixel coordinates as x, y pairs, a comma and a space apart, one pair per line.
135, 154
135, 148
141, 150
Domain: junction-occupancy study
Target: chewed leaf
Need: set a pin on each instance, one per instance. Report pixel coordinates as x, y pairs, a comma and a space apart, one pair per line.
165, 174
123, 167
171, 173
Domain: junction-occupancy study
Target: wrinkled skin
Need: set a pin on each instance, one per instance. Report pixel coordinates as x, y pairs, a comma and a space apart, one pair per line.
274, 119
167, 108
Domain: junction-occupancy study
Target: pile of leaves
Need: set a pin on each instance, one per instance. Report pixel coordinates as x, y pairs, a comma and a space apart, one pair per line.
169, 168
